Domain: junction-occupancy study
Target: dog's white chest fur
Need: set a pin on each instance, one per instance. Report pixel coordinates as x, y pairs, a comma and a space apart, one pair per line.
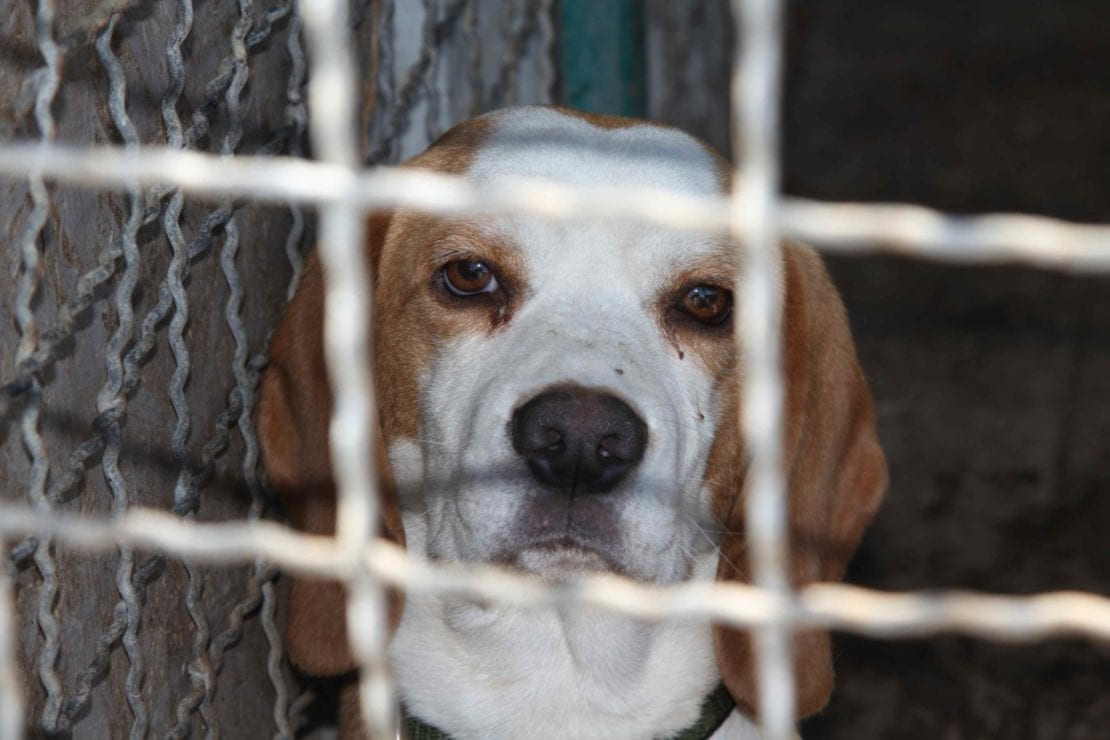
497, 672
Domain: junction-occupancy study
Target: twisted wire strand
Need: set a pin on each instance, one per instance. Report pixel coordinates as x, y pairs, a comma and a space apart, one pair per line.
110, 398
387, 83
549, 57
152, 566
298, 706
29, 279
504, 90
506, 22
141, 578
432, 110
296, 116
201, 670
175, 277
408, 96
52, 339
283, 711
475, 83
73, 470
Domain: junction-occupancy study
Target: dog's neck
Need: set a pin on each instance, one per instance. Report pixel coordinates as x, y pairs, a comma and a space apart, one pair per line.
492, 671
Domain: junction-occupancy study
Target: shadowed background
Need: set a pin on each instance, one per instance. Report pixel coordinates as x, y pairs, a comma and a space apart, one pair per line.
992, 384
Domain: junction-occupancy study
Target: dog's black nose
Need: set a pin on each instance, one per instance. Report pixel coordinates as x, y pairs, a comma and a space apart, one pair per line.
579, 440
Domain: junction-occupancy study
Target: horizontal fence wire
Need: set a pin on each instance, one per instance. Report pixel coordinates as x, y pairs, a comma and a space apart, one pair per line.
836, 605
837, 227
756, 215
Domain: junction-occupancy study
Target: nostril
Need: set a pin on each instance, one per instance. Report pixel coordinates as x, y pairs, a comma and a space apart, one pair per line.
623, 448
554, 439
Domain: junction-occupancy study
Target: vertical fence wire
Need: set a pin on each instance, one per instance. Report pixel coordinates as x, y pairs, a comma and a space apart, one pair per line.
47, 83
175, 287
472, 34
432, 88
286, 717
517, 38
11, 687
111, 403
150, 325
549, 71
296, 118
246, 379
755, 98
347, 322
384, 99
416, 83
286, 712
202, 670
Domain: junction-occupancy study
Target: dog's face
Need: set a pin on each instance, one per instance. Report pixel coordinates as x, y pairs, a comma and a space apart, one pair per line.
568, 377
561, 396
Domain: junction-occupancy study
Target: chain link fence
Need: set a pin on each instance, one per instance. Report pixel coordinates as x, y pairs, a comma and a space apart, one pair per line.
139, 319
141, 248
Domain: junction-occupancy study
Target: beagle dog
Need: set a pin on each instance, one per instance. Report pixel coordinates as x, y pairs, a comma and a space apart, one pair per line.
561, 397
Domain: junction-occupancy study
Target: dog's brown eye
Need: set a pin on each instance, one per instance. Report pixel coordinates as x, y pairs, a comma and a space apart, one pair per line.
707, 303
469, 277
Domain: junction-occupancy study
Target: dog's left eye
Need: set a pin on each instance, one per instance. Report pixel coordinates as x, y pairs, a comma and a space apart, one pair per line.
469, 277
707, 303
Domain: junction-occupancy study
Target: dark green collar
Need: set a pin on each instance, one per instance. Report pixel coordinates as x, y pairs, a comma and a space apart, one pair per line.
714, 711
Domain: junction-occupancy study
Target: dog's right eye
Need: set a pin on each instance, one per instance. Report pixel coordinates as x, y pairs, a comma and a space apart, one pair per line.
469, 277
708, 304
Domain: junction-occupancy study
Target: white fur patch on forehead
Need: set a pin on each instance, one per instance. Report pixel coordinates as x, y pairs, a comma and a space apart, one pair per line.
553, 145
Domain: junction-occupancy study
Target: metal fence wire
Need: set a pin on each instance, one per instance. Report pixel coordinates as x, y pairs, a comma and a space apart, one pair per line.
136, 478
174, 299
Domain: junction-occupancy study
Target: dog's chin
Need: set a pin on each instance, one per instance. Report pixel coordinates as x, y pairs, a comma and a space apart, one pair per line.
562, 561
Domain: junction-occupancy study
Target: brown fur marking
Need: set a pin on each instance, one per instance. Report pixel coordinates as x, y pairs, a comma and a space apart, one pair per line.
836, 472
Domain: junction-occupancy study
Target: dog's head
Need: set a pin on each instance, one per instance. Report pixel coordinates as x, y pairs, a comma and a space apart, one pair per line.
562, 396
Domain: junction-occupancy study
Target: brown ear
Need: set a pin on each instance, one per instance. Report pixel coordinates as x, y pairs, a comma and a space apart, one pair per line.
294, 411
835, 472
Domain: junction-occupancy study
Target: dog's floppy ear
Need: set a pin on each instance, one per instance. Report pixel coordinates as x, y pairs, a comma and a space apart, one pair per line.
835, 472
293, 417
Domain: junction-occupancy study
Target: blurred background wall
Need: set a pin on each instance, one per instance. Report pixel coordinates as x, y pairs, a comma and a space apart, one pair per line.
992, 384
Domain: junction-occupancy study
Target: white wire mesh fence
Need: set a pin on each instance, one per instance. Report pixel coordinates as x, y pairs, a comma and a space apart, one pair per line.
155, 169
